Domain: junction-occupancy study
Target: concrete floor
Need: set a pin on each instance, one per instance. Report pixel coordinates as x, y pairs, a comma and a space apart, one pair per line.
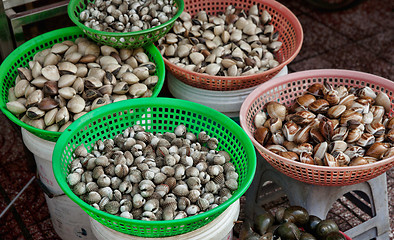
358, 38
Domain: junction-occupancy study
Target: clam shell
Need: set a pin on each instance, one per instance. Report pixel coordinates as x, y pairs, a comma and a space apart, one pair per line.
39, 81
130, 78
383, 100
62, 116
336, 111
357, 161
59, 48
47, 104
36, 69
34, 98
76, 104
377, 150
67, 68
73, 57
137, 90
67, 92
276, 110
50, 117
196, 57
306, 158
51, 59
141, 72
16, 107
20, 88
66, 80
51, 73
290, 155
34, 113
306, 100
330, 161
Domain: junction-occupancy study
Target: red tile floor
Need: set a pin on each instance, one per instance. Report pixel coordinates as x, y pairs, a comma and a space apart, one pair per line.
360, 38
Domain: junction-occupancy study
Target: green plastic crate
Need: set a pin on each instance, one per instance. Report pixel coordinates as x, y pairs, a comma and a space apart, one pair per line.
156, 115
21, 56
122, 39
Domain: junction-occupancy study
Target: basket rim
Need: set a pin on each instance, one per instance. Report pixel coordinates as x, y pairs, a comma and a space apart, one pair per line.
73, 3
10, 60
160, 102
332, 73
298, 32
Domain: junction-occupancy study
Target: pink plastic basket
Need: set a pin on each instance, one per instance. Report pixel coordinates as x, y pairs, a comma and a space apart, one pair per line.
284, 21
285, 90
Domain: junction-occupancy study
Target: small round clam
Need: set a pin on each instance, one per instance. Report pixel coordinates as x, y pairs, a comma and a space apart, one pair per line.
73, 178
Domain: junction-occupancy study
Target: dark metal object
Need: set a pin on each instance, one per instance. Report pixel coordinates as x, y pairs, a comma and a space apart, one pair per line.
11, 22
6, 43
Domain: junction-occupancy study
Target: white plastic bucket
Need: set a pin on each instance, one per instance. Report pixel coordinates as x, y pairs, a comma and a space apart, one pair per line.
42, 151
226, 102
221, 228
68, 219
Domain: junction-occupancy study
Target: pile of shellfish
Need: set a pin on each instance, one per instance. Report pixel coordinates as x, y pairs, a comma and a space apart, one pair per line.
234, 43
127, 16
146, 176
329, 126
70, 79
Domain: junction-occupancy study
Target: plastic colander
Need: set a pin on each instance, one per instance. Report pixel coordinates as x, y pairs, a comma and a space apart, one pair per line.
21, 56
284, 21
122, 39
156, 115
285, 90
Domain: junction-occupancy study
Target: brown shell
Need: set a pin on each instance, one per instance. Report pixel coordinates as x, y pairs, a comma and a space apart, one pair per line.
354, 135
332, 97
306, 100
316, 136
289, 155
262, 135
330, 161
351, 117
306, 158
377, 150
326, 128
219, 179
303, 117
316, 89
357, 161
171, 182
319, 106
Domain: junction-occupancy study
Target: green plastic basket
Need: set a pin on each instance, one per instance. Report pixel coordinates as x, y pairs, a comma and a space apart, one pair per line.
122, 39
156, 115
21, 56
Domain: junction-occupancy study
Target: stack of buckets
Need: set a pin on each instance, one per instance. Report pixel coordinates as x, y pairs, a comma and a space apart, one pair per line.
226, 102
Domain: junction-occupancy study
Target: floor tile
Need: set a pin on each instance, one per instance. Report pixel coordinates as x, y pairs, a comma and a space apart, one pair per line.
318, 38
356, 23
351, 57
381, 44
293, 6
